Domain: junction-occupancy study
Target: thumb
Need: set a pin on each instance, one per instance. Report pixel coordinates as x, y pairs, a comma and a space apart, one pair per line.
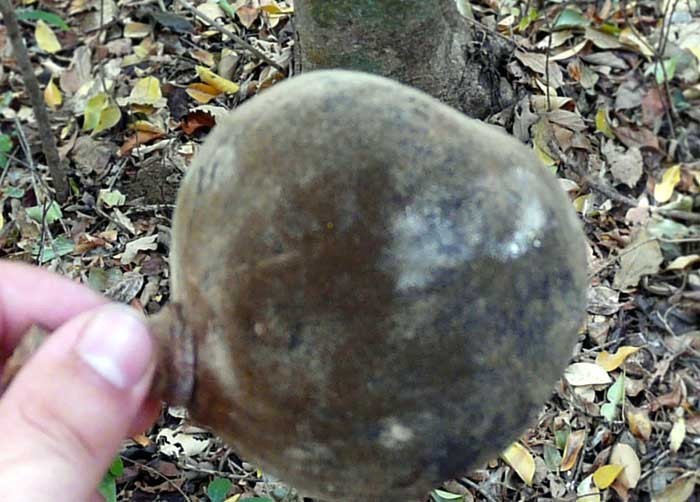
68, 409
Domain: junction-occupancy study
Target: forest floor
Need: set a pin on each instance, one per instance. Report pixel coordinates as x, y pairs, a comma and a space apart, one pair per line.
133, 89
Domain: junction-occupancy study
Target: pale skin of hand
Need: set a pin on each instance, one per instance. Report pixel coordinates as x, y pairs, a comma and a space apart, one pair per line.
64, 416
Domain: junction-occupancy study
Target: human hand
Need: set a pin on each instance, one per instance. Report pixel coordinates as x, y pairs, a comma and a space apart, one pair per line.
63, 417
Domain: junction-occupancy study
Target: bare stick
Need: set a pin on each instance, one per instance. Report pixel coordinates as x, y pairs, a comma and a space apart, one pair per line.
187, 5
48, 144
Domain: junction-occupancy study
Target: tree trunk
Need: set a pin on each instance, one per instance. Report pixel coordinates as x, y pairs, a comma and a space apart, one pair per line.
427, 44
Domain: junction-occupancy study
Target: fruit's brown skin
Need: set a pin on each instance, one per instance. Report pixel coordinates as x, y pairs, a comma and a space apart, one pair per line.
382, 292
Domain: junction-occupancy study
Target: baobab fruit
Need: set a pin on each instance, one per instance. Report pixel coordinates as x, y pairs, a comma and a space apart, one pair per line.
371, 293
381, 292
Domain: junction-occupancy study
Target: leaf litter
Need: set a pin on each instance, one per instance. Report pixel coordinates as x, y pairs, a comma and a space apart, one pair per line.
609, 95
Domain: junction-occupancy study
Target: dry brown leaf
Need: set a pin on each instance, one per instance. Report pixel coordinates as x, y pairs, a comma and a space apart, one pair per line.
602, 40
574, 443
641, 257
624, 455
677, 434
521, 461
680, 490
639, 423
683, 262
625, 166
137, 30
586, 374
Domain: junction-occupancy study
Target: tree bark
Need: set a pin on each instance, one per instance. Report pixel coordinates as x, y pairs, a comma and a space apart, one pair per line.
427, 44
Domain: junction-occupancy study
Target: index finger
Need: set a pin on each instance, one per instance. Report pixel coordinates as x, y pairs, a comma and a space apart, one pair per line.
31, 295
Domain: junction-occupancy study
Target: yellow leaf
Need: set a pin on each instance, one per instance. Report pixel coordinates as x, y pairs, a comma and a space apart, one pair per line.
624, 455
93, 108
696, 52
2, 220
544, 156
521, 461
276, 9
52, 95
235, 498
109, 117
664, 190
46, 38
574, 443
602, 124
677, 434
683, 262
610, 362
146, 126
581, 202
137, 30
202, 93
605, 475
147, 92
211, 78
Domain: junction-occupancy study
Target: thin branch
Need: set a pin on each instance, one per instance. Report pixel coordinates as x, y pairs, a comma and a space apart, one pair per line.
670, 109
48, 143
158, 474
679, 215
258, 53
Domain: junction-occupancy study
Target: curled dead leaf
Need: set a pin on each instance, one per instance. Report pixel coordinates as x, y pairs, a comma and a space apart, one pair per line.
521, 461
610, 362
574, 443
624, 455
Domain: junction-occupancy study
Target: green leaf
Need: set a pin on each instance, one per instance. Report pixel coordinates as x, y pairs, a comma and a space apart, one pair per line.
561, 436
53, 213
47, 17
13, 192
570, 18
117, 467
528, 19
440, 495
5, 143
669, 65
552, 457
112, 198
108, 488
608, 411
227, 8
617, 391
101, 280
218, 489
60, 246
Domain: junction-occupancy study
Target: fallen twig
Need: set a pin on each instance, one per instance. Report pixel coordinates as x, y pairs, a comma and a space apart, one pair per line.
48, 144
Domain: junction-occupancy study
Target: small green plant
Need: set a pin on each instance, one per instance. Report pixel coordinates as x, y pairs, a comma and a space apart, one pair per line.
5, 147
108, 485
218, 489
